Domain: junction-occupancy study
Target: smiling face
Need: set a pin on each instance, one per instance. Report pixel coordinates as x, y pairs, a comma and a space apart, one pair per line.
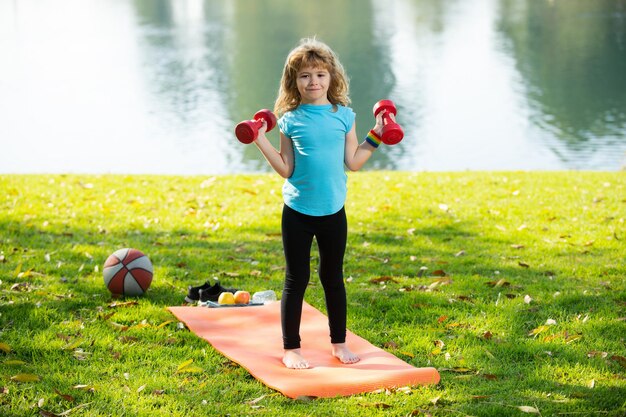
313, 85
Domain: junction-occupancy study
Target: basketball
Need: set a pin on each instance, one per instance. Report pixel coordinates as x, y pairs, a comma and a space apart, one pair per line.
128, 272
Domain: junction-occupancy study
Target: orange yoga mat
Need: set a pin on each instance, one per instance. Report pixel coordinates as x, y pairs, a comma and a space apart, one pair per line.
251, 337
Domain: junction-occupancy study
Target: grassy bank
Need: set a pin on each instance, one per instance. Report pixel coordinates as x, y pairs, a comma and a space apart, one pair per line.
511, 284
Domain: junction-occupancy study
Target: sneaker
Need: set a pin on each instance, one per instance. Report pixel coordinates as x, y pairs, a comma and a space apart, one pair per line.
213, 293
193, 293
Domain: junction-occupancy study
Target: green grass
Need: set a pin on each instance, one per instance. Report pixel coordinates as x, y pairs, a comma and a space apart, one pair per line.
558, 238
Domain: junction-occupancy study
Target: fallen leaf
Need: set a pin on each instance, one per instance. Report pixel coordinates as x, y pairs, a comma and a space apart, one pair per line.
383, 279
190, 370
619, 359
390, 345
185, 364
441, 319
500, 283
550, 338
141, 325
118, 326
487, 335
527, 409
256, 400
165, 323
128, 339
306, 398
439, 273
460, 325
81, 355
66, 397
71, 410
84, 387
14, 362
376, 405
123, 304
107, 316
527, 299
73, 345
438, 282
523, 265
419, 412
595, 353
25, 378
490, 377
5, 348
538, 330
458, 370
517, 246
572, 338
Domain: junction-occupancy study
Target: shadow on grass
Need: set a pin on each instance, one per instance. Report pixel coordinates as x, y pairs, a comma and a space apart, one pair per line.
184, 257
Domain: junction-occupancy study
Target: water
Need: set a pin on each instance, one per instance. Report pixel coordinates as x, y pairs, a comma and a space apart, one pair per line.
156, 86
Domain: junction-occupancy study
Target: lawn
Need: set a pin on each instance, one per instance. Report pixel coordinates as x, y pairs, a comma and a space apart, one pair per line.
511, 284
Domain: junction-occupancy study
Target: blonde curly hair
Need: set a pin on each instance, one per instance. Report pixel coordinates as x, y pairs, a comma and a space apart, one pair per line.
316, 54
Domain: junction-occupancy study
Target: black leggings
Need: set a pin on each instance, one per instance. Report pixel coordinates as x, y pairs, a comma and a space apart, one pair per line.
330, 232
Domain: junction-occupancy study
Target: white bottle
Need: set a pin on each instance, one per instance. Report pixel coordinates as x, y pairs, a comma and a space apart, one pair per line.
264, 297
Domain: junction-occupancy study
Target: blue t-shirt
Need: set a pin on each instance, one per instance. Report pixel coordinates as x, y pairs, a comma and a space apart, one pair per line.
317, 186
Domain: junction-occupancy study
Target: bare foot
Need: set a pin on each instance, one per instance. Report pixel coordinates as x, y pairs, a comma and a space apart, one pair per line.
345, 355
293, 359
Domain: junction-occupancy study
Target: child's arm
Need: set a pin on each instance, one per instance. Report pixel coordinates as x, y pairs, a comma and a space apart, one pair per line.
357, 155
282, 160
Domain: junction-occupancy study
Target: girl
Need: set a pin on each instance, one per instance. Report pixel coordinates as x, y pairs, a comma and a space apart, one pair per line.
317, 137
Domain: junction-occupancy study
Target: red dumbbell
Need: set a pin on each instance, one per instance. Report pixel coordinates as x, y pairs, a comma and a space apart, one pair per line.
248, 130
392, 132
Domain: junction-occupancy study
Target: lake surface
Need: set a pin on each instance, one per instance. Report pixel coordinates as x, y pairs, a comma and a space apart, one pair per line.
157, 86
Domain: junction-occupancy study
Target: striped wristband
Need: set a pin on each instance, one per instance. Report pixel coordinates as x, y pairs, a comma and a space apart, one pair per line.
373, 139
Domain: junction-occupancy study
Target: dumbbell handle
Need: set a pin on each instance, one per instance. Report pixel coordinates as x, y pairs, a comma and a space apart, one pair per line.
387, 120
257, 123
